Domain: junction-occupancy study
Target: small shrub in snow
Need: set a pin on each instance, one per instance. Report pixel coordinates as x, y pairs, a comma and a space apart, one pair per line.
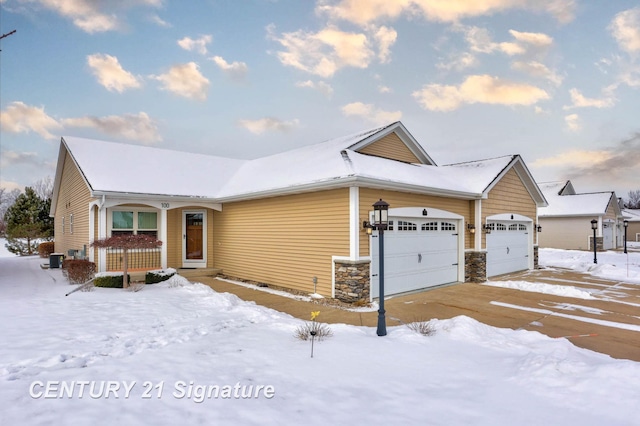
422, 327
109, 281
78, 271
306, 332
153, 277
46, 248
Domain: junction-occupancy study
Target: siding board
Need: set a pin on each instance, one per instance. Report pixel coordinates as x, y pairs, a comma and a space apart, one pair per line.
284, 241
74, 198
392, 147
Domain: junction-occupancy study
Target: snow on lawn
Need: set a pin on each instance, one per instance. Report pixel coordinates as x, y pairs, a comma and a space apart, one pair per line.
613, 265
171, 341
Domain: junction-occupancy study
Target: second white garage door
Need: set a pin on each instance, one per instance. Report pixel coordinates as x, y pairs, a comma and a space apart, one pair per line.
418, 253
507, 247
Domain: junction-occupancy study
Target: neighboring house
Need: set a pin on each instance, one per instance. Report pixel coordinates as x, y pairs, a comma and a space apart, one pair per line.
295, 219
632, 216
566, 221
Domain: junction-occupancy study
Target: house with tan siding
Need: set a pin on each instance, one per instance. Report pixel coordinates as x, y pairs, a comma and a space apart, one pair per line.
295, 219
566, 221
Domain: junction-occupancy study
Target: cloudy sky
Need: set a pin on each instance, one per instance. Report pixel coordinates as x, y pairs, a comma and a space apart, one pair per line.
556, 81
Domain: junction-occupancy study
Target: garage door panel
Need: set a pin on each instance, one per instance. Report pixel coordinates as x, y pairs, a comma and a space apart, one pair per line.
415, 259
507, 248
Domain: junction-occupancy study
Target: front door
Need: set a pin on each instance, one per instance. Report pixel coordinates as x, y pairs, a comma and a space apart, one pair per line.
194, 239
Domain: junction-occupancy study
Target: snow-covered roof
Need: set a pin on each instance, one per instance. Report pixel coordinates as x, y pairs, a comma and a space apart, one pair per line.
632, 215
564, 201
112, 168
593, 204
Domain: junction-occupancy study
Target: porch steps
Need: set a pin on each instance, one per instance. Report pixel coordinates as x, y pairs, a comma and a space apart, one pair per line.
199, 272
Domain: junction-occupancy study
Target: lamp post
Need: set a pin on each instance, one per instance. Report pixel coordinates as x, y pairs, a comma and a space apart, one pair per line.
626, 223
380, 221
594, 226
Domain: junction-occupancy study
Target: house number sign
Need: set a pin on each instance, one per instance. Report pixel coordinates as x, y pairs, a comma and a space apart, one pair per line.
164, 205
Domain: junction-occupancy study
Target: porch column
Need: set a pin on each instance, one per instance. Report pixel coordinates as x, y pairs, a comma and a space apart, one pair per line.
477, 237
354, 223
163, 238
102, 233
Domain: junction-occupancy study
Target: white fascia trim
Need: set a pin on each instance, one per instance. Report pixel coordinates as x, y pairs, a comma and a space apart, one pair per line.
354, 222
347, 181
160, 203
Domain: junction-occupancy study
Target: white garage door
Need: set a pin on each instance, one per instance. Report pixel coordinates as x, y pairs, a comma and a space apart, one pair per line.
607, 233
507, 247
418, 253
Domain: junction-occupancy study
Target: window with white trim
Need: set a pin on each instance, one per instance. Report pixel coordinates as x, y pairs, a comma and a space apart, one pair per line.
63, 224
513, 227
390, 225
134, 221
447, 226
501, 227
522, 227
71, 223
406, 226
429, 226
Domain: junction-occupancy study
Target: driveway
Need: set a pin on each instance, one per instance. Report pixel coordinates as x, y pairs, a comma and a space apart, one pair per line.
607, 322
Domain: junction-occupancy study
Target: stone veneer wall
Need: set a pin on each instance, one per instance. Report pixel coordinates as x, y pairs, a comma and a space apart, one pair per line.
535, 257
352, 280
475, 266
599, 244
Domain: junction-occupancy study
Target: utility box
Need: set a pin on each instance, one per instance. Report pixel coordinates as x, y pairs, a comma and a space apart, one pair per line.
55, 260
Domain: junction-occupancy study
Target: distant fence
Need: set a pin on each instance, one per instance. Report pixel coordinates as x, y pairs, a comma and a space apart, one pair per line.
138, 259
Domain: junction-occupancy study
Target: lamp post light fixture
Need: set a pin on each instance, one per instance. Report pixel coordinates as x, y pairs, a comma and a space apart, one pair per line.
380, 221
626, 224
594, 226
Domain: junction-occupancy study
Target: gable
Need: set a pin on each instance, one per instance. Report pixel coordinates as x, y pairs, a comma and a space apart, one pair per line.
509, 194
390, 147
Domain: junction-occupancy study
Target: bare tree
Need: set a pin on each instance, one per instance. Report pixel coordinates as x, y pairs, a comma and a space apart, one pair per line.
7, 199
44, 188
634, 200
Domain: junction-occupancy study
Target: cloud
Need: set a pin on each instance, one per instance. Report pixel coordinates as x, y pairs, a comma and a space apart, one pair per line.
385, 37
88, 15
459, 62
13, 158
110, 73
325, 52
21, 118
537, 69
574, 158
370, 113
184, 80
625, 28
384, 89
363, 12
235, 70
159, 21
320, 86
478, 89
573, 122
199, 45
618, 163
525, 43
580, 101
268, 124
139, 127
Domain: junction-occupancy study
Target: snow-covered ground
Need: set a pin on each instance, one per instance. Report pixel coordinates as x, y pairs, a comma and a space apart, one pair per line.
158, 349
